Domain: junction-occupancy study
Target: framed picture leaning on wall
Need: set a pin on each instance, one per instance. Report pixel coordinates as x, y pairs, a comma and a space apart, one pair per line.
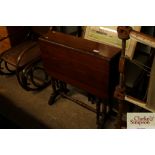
108, 35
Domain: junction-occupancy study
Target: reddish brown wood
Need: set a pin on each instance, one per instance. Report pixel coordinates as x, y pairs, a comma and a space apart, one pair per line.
11, 36
74, 61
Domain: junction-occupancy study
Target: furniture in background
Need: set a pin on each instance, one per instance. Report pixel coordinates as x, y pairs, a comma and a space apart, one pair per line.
72, 30
85, 64
20, 54
7, 39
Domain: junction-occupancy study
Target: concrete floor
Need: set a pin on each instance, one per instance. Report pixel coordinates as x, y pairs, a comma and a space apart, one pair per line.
31, 110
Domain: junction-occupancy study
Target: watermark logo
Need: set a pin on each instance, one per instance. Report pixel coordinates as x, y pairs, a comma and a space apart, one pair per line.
141, 120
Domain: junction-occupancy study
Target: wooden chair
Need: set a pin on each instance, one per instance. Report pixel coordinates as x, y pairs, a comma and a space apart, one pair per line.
138, 68
121, 93
23, 58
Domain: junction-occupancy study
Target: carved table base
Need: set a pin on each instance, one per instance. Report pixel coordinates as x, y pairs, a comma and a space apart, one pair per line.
60, 89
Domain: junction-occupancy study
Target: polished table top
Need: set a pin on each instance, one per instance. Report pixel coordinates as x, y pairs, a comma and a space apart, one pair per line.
83, 63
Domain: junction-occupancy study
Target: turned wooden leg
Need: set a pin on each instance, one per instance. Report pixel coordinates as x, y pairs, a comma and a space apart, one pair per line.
55, 93
119, 116
98, 107
103, 114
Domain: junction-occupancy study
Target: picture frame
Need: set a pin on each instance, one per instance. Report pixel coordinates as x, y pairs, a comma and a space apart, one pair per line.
108, 35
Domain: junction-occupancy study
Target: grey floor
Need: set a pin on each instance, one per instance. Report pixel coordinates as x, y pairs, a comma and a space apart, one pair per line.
29, 109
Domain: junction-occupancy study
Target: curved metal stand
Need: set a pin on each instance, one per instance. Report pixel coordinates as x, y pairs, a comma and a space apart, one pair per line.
28, 79
26, 68
4, 68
